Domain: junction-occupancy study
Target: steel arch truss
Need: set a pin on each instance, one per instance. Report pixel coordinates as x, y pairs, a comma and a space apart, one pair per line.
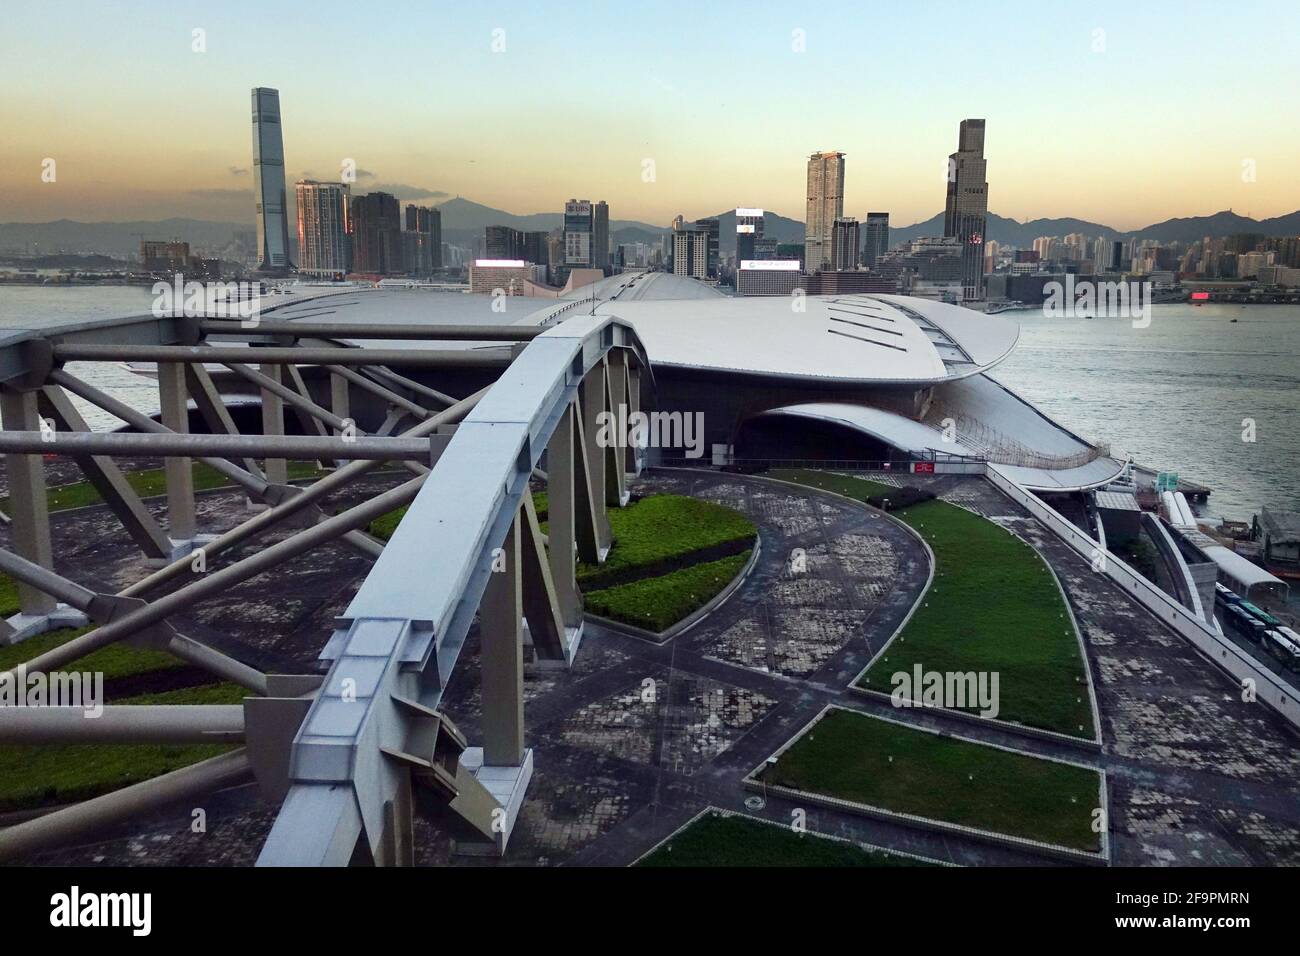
352, 755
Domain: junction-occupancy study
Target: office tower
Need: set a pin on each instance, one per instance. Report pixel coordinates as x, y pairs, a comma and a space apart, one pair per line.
875, 238
376, 235
749, 229
534, 247
765, 248
712, 229
554, 255
578, 227
691, 252
324, 236
844, 244
268, 183
600, 235
503, 242
966, 210
825, 205
421, 249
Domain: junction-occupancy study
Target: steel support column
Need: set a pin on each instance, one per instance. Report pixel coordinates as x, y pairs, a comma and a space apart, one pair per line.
180, 477
277, 469
502, 656
28, 506
561, 497
615, 449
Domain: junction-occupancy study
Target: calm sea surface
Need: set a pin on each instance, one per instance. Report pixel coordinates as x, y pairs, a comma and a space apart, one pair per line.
1174, 395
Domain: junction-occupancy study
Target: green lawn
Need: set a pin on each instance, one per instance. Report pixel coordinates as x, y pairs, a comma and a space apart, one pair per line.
34, 776
993, 607
116, 660
658, 603
660, 532
848, 755
716, 839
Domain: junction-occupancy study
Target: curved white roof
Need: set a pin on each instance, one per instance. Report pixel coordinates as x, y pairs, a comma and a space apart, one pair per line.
851, 339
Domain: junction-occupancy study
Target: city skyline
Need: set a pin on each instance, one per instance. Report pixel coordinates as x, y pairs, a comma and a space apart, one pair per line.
1057, 151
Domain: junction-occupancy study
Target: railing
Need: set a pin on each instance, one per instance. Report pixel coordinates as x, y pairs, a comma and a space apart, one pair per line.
1268, 686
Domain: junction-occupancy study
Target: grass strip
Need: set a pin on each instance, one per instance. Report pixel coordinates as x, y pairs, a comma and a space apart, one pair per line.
36, 776
993, 607
658, 603
718, 840
867, 760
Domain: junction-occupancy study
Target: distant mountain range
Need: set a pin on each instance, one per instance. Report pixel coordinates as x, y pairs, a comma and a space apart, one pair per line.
463, 220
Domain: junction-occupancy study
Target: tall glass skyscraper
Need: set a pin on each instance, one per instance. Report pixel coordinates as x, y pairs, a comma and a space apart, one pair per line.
825, 205
268, 183
966, 211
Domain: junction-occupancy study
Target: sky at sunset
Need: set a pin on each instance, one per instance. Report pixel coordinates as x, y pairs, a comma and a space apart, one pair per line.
1121, 113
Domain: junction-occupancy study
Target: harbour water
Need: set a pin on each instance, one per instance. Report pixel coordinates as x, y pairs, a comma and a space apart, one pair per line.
1177, 395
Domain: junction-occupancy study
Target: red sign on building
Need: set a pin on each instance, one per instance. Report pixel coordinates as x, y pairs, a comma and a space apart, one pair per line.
923, 467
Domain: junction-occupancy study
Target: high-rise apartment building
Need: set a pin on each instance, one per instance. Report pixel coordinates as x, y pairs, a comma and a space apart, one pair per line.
324, 233
875, 238
421, 241
268, 183
825, 205
845, 242
966, 210
691, 252
376, 235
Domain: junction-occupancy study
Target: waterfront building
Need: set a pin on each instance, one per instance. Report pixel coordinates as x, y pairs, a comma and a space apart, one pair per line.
966, 208
578, 233
376, 235
269, 183
324, 232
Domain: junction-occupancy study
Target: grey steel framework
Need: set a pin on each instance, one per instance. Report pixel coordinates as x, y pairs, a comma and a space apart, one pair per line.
345, 754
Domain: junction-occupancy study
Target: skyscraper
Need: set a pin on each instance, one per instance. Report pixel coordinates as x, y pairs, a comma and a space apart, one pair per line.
268, 183
600, 235
421, 248
376, 235
713, 230
504, 242
845, 241
966, 210
324, 240
749, 229
875, 238
825, 205
691, 252
578, 233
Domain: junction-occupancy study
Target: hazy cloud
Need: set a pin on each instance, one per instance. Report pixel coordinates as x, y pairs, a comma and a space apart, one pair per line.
238, 171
